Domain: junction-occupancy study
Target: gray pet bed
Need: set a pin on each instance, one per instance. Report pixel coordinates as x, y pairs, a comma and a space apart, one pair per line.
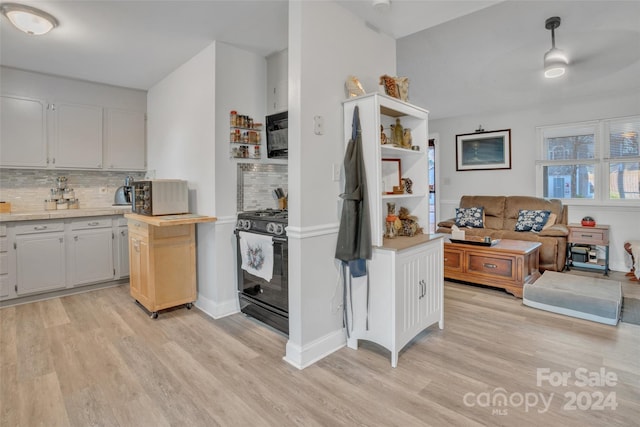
587, 298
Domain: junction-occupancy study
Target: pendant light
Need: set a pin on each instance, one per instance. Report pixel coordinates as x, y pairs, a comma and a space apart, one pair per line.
555, 60
29, 19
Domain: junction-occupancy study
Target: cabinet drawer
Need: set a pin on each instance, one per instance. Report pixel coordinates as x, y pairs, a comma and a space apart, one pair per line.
452, 259
593, 237
494, 266
121, 221
89, 223
39, 227
138, 227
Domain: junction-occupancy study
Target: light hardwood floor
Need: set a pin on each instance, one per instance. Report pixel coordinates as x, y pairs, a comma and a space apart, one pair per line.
97, 359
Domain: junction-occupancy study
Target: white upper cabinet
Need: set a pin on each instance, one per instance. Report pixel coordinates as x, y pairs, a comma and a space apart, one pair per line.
125, 140
23, 140
278, 81
77, 136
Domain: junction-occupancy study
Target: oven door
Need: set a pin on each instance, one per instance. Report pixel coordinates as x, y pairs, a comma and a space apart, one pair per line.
267, 301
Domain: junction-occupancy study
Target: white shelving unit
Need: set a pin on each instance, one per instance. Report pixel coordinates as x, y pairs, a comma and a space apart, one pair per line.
406, 274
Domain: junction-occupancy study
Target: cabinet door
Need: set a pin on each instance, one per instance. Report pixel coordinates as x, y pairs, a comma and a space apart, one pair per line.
125, 143
122, 242
433, 285
277, 82
409, 292
41, 262
90, 256
7, 264
77, 136
22, 132
139, 269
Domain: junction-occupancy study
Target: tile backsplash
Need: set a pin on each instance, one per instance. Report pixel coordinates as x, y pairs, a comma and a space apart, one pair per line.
256, 182
27, 189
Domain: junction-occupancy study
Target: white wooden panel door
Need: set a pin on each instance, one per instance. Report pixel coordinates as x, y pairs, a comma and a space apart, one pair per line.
91, 256
23, 140
409, 291
125, 144
431, 303
78, 136
41, 262
122, 240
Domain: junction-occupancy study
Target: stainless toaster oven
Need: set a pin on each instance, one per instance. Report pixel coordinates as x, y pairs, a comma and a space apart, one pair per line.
160, 197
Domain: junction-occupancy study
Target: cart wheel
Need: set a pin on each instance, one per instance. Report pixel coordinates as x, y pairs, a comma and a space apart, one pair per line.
154, 315
189, 305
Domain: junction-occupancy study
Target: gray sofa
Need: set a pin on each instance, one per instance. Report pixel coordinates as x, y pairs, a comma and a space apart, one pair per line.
501, 215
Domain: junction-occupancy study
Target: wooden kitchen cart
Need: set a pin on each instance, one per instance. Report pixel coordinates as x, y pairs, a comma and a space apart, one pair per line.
597, 235
508, 264
162, 260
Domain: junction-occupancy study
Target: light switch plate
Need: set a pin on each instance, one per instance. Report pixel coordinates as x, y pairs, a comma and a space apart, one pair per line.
318, 125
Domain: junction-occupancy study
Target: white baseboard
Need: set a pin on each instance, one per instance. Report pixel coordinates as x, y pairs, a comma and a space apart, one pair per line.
302, 357
217, 310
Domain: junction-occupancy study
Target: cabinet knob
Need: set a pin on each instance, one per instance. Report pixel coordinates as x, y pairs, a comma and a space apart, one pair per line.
93, 224
123, 233
75, 238
40, 227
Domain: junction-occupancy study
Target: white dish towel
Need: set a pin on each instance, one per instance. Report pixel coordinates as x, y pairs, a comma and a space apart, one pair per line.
257, 254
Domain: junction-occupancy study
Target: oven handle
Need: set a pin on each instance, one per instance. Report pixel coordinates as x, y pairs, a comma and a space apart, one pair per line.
274, 238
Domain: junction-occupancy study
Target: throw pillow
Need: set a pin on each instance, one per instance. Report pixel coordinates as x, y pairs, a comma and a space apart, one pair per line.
531, 220
550, 221
470, 217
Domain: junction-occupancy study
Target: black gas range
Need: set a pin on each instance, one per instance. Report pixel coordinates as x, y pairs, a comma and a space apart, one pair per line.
263, 289
266, 221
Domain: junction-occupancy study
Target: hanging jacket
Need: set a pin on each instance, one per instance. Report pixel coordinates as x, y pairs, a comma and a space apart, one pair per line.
354, 234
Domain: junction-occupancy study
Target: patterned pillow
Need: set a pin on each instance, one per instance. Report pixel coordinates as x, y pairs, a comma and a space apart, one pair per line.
470, 217
531, 220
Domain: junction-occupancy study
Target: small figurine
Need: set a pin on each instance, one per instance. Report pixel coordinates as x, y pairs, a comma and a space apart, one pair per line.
407, 139
398, 133
383, 136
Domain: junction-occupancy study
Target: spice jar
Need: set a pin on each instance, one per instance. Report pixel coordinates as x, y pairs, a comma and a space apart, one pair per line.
50, 205
233, 118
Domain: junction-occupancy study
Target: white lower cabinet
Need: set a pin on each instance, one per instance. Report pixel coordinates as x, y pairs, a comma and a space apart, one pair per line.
40, 257
90, 251
7, 263
405, 296
49, 255
121, 248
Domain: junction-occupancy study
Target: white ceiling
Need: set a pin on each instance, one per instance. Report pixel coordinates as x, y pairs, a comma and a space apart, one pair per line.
492, 60
137, 43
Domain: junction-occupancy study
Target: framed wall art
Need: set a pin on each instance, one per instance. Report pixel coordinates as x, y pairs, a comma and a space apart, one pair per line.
483, 150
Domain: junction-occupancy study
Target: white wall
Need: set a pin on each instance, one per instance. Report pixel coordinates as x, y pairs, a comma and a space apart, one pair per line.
326, 44
240, 85
188, 122
520, 179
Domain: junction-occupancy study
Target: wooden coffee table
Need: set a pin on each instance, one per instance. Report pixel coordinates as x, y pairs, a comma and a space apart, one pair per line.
508, 264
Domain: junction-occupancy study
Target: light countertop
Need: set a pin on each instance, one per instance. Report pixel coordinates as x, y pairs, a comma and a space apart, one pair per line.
402, 242
64, 213
170, 220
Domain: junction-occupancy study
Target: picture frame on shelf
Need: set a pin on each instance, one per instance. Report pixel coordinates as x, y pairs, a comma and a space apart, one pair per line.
489, 150
391, 172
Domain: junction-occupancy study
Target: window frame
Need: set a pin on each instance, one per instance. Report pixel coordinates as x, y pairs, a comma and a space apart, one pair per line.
601, 160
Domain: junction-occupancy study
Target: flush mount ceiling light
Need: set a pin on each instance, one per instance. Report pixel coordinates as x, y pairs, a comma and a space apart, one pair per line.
29, 19
555, 60
382, 5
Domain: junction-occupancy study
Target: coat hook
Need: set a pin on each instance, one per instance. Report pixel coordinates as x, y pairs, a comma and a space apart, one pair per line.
479, 129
